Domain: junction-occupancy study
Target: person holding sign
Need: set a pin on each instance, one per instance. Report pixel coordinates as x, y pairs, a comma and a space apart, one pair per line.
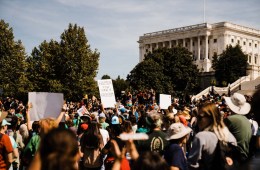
45, 125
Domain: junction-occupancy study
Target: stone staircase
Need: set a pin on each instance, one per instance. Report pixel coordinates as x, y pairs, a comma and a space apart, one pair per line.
243, 85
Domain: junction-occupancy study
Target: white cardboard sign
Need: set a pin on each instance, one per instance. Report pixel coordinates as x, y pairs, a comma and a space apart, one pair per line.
45, 105
106, 92
165, 101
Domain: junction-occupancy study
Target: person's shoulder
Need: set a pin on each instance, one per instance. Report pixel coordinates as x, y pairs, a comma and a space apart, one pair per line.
5, 137
103, 131
206, 135
175, 147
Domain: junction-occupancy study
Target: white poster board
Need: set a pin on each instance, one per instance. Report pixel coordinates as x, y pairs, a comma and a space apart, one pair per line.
106, 92
45, 105
165, 101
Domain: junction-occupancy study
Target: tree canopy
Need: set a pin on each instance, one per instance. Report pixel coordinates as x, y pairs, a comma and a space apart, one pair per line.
230, 65
13, 79
68, 66
167, 70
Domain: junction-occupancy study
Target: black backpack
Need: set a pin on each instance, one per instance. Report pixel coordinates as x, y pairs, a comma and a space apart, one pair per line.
225, 156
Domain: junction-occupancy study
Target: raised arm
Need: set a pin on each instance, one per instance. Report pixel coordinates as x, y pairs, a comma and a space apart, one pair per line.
28, 118
62, 113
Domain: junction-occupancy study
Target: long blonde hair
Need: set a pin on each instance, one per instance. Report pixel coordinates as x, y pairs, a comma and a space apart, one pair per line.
217, 125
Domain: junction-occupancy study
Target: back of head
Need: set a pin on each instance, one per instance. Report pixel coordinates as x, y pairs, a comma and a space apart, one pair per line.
154, 120
150, 160
211, 110
46, 125
58, 150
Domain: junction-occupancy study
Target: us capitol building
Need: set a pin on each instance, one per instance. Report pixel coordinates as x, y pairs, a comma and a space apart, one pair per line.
205, 40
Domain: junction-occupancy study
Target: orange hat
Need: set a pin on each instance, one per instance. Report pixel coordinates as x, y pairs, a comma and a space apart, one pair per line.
183, 120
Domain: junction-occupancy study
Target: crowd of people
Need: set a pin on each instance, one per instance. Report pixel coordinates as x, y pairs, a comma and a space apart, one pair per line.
213, 132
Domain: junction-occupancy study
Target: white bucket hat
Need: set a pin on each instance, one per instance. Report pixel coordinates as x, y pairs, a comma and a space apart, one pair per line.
237, 103
177, 131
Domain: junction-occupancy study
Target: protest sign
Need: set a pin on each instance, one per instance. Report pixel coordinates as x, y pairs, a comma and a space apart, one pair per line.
165, 101
45, 105
107, 94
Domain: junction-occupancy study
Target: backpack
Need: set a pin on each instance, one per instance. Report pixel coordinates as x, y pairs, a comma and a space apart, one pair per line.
225, 156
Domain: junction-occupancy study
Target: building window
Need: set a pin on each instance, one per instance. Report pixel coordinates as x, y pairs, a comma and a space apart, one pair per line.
244, 43
255, 45
250, 44
186, 44
200, 42
215, 40
232, 40
238, 41
255, 59
193, 43
146, 50
249, 60
208, 41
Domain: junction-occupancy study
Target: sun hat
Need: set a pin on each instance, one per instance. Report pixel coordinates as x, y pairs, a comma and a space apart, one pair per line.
115, 120
4, 122
185, 113
237, 103
177, 131
86, 115
102, 115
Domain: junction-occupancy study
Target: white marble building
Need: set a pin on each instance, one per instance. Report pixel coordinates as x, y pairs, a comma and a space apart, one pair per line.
203, 40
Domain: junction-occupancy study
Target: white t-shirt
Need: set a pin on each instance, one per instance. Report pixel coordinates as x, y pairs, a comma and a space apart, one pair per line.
105, 135
254, 127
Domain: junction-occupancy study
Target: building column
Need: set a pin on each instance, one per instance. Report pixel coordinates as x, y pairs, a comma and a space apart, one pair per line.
177, 42
198, 48
141, 53
184, 42
170, 43
207, 47
191, 45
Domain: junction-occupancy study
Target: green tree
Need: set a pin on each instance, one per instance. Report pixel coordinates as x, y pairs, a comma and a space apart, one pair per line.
105, 77
69, 66
167, 70
230, 65
119, 85
43, 67
13, 79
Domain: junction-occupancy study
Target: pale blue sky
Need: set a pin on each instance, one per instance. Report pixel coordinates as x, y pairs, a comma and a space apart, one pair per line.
113, 27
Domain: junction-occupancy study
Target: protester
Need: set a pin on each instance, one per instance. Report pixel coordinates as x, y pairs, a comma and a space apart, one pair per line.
6, 149
58, 151
156, 141
45, 125
238, 124
174, 154
212, 129
91, 144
